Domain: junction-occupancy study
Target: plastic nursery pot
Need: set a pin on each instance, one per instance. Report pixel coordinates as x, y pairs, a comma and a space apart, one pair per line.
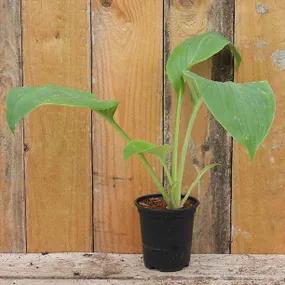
166, 235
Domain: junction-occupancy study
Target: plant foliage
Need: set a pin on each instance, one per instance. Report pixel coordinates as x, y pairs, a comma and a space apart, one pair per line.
139, 146
245, 110
21, 101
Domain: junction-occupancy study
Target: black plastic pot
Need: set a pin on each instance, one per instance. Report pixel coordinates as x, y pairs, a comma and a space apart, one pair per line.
166, 235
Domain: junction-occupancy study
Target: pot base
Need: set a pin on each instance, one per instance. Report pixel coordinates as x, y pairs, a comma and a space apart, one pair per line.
162, 265
175, 269
166, 235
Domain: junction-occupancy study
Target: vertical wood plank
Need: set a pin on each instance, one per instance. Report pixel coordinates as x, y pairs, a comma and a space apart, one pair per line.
215, 222
212, 225
56, 47
127, 61
258, 185
12, 205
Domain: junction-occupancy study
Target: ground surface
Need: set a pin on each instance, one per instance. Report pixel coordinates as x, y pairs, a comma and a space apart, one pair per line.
118, 269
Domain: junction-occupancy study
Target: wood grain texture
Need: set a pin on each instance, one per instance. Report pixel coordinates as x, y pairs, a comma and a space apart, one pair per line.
12, 205
56, 45
127, 66
195, 281
129, 269
258, 185
212, 221
215, 217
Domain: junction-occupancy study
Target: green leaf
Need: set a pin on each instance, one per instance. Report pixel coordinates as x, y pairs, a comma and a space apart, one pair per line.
21, 101
193, 51
140, 146
245, 110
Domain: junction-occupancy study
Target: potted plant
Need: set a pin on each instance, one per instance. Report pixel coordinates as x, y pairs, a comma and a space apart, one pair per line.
246, 111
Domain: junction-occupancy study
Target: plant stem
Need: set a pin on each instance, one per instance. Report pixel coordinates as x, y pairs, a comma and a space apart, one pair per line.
184, 151
146, 164
176, 143
176, 134
197, 181
168, 175
120, 131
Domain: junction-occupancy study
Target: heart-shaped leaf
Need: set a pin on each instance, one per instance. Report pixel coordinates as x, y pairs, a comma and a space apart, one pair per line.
195, 50
21, 101
245, 110
140, 146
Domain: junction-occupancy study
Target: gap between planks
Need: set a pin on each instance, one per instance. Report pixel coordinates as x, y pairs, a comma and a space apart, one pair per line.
99, 268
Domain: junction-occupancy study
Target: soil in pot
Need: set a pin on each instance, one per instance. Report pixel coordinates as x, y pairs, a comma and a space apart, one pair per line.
159, 203
166, 234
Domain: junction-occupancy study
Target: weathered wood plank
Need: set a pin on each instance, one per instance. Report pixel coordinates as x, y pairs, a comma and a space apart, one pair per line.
215, 213
12, 198
127, 66
212, 226
194, 281
56, 46
204, 269
258, 185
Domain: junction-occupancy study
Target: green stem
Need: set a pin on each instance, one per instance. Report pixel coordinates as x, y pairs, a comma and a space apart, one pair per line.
197, 181
146, 164
185, 150
120, 131
166, 170
176, 143
176, 134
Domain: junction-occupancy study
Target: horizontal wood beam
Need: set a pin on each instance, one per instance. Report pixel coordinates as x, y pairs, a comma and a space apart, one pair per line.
132, 282
98, 268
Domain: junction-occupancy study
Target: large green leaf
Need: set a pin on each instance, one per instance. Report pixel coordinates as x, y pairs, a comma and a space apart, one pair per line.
21, 101
140, 146
195, 50
245, 110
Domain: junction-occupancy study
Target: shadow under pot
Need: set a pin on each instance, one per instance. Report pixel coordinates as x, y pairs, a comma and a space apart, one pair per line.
166, 234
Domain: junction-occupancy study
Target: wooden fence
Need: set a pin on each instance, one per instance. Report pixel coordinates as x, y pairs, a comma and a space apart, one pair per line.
63, 183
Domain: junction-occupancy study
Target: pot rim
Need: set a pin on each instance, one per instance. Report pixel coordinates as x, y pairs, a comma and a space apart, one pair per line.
180, 210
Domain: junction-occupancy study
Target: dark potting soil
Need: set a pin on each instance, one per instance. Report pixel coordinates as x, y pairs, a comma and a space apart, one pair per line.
159, 203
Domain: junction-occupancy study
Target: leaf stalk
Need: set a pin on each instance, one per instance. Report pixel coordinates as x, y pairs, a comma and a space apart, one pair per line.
145, 162
178, 190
